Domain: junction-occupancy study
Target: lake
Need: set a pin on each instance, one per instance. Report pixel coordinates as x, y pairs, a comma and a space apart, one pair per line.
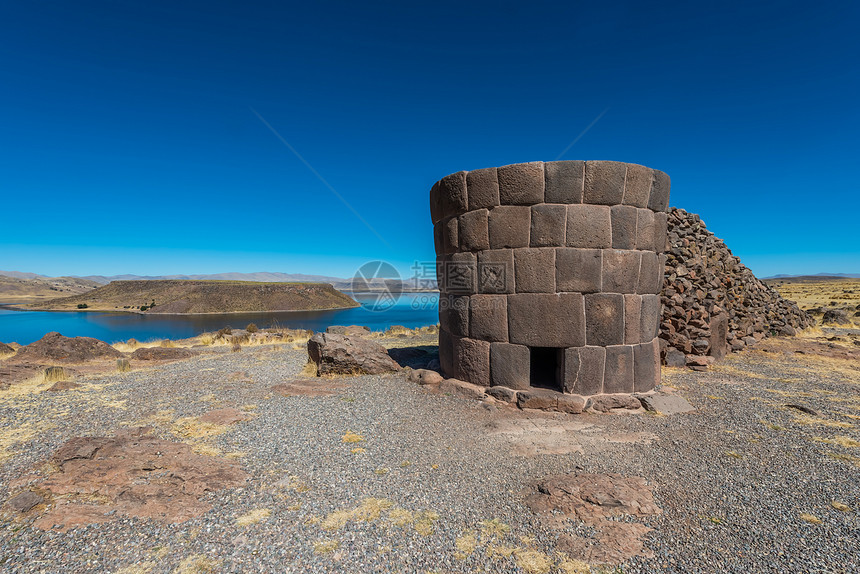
24, 327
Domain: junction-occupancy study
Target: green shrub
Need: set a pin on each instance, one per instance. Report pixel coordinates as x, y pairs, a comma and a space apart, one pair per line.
82, 305
252, 328
143, 307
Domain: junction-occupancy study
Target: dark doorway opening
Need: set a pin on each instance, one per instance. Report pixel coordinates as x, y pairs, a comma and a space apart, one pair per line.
545, 368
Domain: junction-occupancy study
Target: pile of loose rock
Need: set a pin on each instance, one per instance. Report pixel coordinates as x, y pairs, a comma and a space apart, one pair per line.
711, 302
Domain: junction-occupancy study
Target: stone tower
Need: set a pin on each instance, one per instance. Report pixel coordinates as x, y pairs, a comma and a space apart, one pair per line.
550, 274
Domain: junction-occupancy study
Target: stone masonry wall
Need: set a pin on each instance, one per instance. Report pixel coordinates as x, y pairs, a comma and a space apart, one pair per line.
552, 266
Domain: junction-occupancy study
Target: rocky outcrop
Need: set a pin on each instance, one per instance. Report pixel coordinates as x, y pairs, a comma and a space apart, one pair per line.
162, 354
711, 302
342, 355
54, 347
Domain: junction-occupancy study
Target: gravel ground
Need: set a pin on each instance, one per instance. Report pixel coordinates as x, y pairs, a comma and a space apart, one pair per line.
733, 478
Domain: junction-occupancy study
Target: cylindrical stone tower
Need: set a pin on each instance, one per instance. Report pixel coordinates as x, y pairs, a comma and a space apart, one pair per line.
549, 275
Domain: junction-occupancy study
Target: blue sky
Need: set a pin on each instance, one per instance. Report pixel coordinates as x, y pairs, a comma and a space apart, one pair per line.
130, 142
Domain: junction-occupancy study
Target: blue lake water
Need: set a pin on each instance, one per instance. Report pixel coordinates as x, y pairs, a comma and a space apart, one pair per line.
24, 327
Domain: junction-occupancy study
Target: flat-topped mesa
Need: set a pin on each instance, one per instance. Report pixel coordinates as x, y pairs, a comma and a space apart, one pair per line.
550, 275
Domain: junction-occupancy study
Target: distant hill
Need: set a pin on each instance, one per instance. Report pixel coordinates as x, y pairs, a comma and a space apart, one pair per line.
189, 297
29, 287
408, 284
817, 276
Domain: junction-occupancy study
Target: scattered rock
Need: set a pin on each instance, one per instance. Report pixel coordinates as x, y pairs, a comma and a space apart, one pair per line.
342, 355
162, 354
132, 474
308, 388
674, 358
25, 501
835, 317
542, 399
462, 389
665, 404
54, 347
348, 330
503, 394
605, 403
425, 377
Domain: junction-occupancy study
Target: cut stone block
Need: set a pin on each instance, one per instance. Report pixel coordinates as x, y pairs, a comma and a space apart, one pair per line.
624, 220
632, 309
509, 226
473, 232
509, 365
604, 182
451, 236
620, 270
542, 399
604, 319
435, 204
645, 229
438, 242
564, 181
454, 314
637, 186
583, 370
659, 199
488, 317
650, 274
660, 232
446, 353
649, 317
534, 270
496, 271
646, 366
452, 194
666, 404
618, 375
503, 394
572, 404
548, 225
589, 226
472, 361
482, 188
460, 273
521, 183
546, 319
578, 270
719, 335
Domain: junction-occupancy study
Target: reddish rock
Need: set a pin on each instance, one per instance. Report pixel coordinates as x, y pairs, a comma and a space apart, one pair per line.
54, 347
162, 354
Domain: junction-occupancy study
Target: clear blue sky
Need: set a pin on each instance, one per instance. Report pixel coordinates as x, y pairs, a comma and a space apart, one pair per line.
129, 144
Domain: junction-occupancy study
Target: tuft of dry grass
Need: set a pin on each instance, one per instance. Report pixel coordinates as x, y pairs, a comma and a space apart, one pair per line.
197, 564
325, 546
167, 344
142, 568
820, 421
494, 528
465, 545
533, 561
810, 518
840, 506
194, 428
55, 374
253, 517
351, 437
843, 441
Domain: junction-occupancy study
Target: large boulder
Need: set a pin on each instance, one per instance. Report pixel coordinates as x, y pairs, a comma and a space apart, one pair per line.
343, 355
56, 348
348, 330
835, 317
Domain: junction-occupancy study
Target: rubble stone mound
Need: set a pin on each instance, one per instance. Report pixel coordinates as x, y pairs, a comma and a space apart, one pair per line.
134, 474
342, 355
162, 354
54, 347
712, 303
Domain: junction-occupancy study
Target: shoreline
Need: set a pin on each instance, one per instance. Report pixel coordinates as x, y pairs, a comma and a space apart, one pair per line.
143, 313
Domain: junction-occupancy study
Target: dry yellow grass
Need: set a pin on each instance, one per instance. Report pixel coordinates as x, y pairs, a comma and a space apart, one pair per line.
811, 293
255, 516
465, 545
494, 528
810, 518
197, 564
351, 437
194, 428
842, 441
142, 568
533, 561
326, 546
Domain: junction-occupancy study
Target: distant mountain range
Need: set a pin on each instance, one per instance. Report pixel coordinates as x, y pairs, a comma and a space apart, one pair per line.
821, 275
262, 276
